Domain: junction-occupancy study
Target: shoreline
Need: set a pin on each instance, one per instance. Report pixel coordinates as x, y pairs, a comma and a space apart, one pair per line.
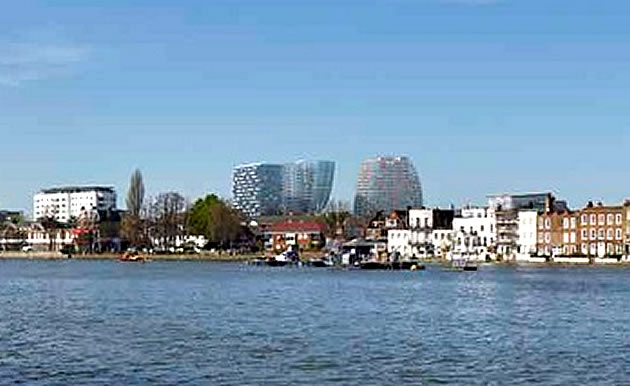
117, 256
226, 258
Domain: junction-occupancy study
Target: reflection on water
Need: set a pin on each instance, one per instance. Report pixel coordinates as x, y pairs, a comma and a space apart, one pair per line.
103, 322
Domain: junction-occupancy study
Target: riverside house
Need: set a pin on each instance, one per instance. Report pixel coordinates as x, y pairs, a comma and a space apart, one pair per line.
301, 234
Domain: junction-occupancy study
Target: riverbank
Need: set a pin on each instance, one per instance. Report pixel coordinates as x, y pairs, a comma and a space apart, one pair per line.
115, 256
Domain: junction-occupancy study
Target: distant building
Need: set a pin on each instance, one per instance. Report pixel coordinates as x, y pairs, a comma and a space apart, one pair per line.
527, 233
387, 184
307, 186
263, 189
257, 189
601, 229
65, 203
10, 215
507, 207
475, 232
300, 235
431, 231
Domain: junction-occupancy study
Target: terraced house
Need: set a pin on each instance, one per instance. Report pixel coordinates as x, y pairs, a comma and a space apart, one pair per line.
602, 230
594, 231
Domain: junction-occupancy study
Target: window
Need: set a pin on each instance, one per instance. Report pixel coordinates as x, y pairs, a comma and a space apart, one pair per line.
609, 234
618, 234
565, 238
572, 237
618, 219
602, 234
601, 219
573, 222
584, 234
482, 228
541, 238
593, 234
565, 223
547, 237
593, 219
548, 223
610, 219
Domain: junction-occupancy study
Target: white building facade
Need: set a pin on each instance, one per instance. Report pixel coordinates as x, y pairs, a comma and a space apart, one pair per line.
527, 220
399, 242
68, 202
475, 233
428, 234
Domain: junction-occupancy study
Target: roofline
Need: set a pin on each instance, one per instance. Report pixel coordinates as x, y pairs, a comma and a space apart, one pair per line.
74, 189
520, 194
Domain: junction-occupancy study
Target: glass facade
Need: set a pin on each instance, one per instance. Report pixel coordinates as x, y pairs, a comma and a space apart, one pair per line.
267, 189
257, 189
387, 184
307, 186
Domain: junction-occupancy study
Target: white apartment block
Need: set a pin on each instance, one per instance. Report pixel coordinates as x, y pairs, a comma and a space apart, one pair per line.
527, 220
68, 202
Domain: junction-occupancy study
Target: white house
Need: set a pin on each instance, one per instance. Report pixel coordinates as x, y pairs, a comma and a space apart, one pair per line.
475, 232
399, 241
527, 220
428, 233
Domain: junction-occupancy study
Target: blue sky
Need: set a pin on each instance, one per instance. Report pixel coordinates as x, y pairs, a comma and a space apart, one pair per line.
485, 96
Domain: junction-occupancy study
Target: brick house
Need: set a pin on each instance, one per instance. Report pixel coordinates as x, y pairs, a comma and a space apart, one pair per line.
602, 230
303, 235
549, 238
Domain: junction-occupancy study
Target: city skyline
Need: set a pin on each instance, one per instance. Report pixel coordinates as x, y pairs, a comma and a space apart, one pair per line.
485, 97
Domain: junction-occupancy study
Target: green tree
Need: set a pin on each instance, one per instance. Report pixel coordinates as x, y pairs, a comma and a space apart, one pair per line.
216, 220
135, 194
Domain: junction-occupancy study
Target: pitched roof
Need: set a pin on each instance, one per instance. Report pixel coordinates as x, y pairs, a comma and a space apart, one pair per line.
298, 226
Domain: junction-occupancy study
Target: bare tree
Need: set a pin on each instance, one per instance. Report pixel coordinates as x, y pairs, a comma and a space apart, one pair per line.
168, 212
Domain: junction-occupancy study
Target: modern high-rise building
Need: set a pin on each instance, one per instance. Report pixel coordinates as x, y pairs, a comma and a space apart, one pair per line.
307, 186
265, 189
257, 189
387, 184
68, 202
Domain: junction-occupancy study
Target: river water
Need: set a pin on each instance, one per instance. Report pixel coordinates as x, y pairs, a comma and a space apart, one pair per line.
105, 322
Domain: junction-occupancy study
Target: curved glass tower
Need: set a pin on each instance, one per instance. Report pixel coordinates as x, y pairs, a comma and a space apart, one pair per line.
307, 186
262, 189
322, 183
387, 184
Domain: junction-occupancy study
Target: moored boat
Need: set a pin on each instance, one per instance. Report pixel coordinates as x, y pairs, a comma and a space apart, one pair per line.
396, 265
464, 265
133, 258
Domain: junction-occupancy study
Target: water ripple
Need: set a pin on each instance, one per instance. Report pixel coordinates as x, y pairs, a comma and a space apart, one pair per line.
74, 322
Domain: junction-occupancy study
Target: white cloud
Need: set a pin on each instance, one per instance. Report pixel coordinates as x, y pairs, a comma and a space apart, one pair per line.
22, 62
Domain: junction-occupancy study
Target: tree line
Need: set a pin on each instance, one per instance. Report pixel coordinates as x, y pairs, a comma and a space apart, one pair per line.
163, 219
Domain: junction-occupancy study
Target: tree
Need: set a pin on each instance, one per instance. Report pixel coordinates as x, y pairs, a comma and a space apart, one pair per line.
336, 216
51, 225
168, 215
135, 194
216, 220
133, 226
